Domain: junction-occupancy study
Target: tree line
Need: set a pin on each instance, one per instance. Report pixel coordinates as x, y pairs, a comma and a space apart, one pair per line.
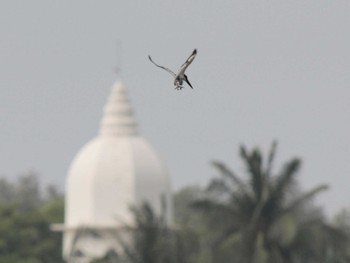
260, 216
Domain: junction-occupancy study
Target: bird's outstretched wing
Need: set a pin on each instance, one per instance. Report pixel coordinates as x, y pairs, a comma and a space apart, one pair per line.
170, 71
188, 62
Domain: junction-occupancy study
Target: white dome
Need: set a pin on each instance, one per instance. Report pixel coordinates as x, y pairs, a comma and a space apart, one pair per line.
115, 170
110, 174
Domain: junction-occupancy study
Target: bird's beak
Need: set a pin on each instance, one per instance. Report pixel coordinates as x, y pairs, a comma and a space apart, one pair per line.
186, 79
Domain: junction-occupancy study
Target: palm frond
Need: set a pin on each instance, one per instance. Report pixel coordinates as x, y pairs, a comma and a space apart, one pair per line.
233, 183
243, 203
253, 163
210, 206
286, 177
225, 172
307, 196
219, 215
259, 206
271, 158
283, 183
218, 186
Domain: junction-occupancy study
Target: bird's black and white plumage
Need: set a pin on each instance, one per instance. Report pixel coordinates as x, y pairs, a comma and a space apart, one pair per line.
180, 77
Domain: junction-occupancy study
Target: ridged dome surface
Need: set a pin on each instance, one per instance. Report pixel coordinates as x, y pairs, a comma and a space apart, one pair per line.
118, 118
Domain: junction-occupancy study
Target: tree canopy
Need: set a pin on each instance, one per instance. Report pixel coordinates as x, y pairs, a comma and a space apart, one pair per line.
260, 216
25, 218
264, 217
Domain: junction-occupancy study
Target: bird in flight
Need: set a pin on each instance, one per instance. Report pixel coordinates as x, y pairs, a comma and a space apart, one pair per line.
180, 77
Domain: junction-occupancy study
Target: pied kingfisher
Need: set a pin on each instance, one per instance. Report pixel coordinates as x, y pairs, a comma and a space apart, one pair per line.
180, 76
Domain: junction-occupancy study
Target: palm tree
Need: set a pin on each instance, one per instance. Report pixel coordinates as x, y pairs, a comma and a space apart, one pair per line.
260, 219
149, 239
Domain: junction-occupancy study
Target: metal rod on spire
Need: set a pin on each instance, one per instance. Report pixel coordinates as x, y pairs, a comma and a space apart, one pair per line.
119, 58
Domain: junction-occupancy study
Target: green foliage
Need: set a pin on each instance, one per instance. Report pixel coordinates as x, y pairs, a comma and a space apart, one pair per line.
259, 219
28, 196
152, 241
25, 218
53, 209
25, 192
190, 227
26, 237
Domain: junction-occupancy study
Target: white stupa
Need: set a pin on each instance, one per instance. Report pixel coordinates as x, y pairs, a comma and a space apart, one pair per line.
113, 171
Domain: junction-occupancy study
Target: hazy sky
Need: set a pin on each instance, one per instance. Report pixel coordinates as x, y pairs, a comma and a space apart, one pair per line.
265, 70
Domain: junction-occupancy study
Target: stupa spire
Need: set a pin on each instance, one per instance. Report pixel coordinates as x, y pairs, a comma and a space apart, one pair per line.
118, 117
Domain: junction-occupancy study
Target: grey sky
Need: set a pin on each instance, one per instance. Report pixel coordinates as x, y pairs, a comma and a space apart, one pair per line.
265, 70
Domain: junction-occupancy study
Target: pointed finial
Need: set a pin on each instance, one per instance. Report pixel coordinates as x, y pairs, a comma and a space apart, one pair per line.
118, 118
